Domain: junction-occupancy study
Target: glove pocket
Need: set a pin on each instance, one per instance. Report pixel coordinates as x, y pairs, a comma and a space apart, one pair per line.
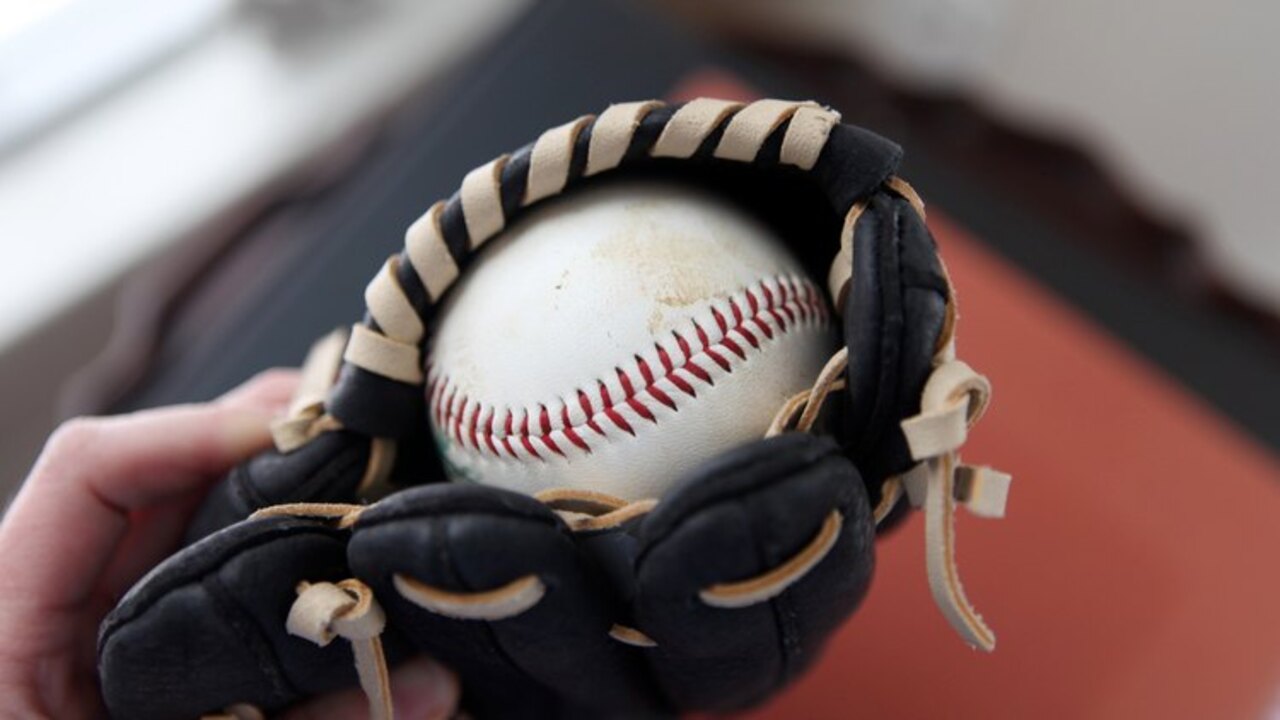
748, 566
491, 583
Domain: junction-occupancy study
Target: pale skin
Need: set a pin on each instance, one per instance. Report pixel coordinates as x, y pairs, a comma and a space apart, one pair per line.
108, 499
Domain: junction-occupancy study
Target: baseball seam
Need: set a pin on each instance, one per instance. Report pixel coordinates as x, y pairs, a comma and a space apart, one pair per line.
743, 323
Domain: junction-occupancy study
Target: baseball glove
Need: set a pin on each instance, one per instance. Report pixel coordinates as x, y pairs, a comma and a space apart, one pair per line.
711, 597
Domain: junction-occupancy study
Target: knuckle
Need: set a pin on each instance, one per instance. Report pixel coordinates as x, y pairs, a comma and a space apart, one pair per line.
66, 445
74, 435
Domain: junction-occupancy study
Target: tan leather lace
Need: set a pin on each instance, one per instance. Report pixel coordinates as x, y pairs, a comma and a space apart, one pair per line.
344, 515
954, 398
588, 510
324, 611
769, 585
347, 609
307, 419
801, 410
500, 603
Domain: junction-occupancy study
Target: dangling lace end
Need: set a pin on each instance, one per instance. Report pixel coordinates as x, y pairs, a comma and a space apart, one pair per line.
348, 610
940, 557
984, 491
954, 398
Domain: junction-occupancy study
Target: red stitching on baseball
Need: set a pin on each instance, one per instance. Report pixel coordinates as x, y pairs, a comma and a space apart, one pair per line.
472, 427
488, 432
448, 393
544, 419
626, 382
524, 436
645, 372
787, 303
569, 432
667, 367
735, 347
611, 410
662, 397
457, 421
683, 384
506, 439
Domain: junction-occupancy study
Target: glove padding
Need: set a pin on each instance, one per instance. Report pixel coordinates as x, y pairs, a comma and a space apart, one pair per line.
538, 618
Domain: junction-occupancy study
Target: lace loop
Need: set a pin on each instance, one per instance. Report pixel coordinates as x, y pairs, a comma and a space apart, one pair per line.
774, 582
324, 611
499, 603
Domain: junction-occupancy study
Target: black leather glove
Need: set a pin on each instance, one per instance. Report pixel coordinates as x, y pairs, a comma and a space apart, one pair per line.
711, 597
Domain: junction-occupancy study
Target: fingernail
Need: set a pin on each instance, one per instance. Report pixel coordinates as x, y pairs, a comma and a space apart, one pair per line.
423, 689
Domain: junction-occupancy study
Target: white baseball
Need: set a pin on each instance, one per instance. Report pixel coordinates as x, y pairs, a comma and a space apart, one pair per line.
617, 338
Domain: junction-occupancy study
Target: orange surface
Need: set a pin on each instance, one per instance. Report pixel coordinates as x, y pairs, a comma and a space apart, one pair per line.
1136, 575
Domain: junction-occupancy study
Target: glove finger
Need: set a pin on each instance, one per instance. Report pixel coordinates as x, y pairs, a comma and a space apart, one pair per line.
206, 629
789, 512
327, 469
894, 315
334, 467
491, 583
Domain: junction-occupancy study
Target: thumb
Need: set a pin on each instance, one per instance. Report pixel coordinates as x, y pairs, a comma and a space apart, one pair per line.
421, 689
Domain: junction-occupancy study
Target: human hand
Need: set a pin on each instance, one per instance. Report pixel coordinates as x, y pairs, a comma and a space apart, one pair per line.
107, 499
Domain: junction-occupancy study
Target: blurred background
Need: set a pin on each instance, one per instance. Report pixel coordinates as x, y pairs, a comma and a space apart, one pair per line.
193, 191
